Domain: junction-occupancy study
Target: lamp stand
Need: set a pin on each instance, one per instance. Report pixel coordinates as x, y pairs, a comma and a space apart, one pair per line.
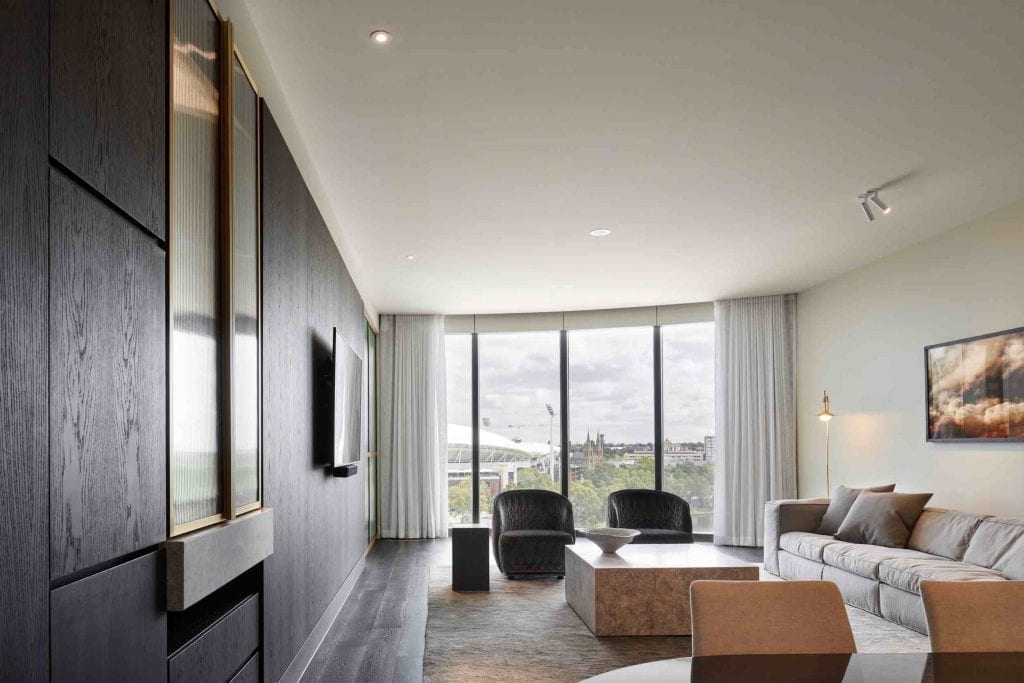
828, 484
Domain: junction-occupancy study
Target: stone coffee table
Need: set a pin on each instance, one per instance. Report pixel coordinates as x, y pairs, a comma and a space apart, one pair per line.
643, 590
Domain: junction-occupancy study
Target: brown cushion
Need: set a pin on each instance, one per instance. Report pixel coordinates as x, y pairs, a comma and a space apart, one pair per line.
839, 506
883, 519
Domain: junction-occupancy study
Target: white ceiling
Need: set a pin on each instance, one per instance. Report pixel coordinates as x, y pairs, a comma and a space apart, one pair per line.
723, 143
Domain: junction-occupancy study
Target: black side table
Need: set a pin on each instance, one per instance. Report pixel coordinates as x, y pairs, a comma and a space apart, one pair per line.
470, 557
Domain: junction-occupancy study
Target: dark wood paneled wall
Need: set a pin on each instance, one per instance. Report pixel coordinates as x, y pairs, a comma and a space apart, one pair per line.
24, 574
108, 439
111, 626
108, 98
319, 525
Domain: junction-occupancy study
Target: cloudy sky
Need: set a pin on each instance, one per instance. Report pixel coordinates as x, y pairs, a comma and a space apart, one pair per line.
611, 383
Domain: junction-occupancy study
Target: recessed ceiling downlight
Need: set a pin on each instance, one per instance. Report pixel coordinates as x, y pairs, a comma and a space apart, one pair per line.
410, 257
381, 37
600, 232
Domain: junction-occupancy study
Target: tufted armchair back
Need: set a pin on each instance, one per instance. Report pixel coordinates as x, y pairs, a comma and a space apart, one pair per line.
522, 509
646, 509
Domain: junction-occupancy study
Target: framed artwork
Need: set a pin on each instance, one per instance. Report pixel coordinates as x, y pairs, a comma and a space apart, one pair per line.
975, 388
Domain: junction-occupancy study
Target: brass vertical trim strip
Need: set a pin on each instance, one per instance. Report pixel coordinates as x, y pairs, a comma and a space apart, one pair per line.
169, 313
259, 296
225, 196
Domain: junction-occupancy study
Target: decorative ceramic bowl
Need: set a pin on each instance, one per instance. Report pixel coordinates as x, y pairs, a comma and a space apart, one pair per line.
610, 540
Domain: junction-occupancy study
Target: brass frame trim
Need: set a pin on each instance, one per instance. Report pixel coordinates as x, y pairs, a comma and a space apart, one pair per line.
248, 507
226, 197
227, 52
230, 227
198, 524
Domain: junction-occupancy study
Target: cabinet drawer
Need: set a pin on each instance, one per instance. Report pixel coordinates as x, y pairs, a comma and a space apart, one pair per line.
221, 650
250, 673
109, 626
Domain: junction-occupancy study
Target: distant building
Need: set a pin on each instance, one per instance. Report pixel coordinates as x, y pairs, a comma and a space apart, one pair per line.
709, 448
593, 451
672, 453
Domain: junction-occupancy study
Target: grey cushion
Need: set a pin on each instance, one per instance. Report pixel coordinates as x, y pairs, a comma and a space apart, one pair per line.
906, 573
883, 519
799, 568
945, 533
842, 501
999, 544
805, 544
858, 591
903, 608
864, 560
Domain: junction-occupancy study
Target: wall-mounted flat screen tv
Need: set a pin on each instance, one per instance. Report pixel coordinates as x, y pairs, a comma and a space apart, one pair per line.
348, 386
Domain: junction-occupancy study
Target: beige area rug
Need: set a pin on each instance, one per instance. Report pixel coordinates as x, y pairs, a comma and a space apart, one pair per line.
524, 631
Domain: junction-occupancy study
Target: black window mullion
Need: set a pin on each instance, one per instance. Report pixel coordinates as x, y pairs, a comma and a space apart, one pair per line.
475, 383
658, 416
563, 359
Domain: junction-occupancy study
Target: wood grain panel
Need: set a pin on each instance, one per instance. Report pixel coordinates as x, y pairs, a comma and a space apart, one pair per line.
319, 521
24, 577
108, 95
111, 626
107, 383
220, 651
250, 673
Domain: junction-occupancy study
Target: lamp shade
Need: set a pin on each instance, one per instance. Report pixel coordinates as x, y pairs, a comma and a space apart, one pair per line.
825, 415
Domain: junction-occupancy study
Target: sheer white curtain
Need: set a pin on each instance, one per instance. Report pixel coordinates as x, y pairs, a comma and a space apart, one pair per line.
413, 427
755, 413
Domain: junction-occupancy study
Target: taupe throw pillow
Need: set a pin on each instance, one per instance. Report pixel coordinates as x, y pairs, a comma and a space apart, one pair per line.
884, 519
841, 503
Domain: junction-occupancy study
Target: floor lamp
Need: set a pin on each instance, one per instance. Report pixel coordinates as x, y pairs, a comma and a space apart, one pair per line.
826, 416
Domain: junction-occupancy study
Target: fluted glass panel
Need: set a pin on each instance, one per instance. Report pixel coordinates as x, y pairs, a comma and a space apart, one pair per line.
245, 369
195, 463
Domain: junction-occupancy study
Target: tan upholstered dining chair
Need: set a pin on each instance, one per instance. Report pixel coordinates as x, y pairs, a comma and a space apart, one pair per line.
768, 617
974, 616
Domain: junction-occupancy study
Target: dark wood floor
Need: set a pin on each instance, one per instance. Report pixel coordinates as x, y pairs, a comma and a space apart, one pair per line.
380, 633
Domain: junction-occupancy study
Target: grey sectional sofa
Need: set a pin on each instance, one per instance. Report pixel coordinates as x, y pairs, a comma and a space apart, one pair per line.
945, 545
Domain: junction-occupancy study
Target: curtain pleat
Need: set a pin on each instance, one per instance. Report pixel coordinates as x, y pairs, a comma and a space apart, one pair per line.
755, 413
413, 427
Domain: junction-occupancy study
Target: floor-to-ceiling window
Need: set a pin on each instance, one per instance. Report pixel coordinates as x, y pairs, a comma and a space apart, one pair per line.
609, 389
458, 368
519, 421
688, 410
611, 417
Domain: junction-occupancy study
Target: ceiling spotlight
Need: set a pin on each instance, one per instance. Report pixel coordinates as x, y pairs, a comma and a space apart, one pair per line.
381, 37
600, 232
872, 196
867, 210
879, 204
409, 257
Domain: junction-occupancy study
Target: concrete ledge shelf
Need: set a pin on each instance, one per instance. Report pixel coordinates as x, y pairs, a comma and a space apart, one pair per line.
202, 561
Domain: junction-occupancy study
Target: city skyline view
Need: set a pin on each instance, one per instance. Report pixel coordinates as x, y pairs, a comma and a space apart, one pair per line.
610, 383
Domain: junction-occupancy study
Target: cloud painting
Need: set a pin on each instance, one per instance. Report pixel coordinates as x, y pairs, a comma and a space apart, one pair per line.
976, 388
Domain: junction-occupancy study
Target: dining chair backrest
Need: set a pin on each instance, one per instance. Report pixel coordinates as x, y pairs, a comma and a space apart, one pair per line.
768, 617
974, 616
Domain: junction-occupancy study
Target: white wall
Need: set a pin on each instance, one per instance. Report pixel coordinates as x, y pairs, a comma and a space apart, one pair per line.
861, 336
251, 48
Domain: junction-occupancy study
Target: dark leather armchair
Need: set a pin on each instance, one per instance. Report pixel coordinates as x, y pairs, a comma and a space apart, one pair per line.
530, 530
659, 516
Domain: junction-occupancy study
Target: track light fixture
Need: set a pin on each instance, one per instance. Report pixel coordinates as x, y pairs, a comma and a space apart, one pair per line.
865, 208
872, 196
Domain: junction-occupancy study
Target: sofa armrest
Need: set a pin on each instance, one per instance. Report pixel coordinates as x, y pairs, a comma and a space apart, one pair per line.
781, 516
